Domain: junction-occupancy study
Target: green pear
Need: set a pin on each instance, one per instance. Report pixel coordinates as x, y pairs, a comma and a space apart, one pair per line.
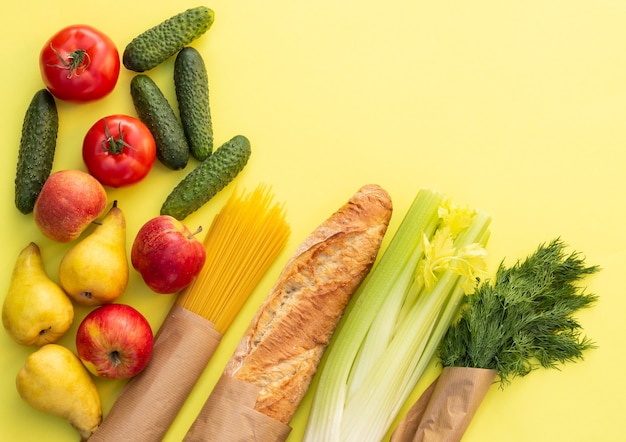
36, 310
54, 381
95, 270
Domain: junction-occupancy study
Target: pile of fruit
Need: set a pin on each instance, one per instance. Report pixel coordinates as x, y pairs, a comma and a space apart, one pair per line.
115, 341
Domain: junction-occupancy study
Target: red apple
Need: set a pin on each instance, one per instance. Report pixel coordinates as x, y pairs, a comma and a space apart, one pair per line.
167, 254
114, 341
69, 201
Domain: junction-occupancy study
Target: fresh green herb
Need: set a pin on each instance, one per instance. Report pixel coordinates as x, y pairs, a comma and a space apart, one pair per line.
523, 320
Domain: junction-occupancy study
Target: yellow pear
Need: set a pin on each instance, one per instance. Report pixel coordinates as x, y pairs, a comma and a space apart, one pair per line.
54, 381
36, 310
95, 270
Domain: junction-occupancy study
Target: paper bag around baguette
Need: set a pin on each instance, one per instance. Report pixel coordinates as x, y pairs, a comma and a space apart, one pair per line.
280, 351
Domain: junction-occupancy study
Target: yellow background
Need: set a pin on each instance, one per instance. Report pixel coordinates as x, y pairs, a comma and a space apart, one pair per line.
516, 108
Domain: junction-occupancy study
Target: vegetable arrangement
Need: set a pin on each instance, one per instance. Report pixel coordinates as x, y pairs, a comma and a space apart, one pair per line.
406, 314
398, 319
427, 297
81, 64
521, 321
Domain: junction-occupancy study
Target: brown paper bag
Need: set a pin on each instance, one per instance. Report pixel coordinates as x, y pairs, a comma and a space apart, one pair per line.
445, 409
150, 401
229, 415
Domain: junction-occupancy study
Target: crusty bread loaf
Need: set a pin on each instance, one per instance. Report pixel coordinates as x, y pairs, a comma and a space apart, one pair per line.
283, 345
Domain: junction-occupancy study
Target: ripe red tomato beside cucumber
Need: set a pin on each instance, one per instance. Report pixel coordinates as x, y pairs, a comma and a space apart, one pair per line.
79, 63
119, 150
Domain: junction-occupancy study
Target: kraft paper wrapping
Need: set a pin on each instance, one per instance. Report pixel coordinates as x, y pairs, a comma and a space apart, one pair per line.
149, 402
229, 415
445, 409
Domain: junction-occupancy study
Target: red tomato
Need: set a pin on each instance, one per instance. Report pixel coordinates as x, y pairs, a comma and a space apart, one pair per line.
119, 150
79, 64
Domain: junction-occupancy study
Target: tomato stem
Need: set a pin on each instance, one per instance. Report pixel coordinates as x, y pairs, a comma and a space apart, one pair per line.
76, 61
114, 145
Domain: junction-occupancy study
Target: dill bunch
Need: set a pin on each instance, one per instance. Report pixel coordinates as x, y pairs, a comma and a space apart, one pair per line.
524, 319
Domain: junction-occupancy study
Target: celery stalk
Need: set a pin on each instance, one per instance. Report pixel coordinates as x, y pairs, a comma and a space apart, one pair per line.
328, 402
397, 321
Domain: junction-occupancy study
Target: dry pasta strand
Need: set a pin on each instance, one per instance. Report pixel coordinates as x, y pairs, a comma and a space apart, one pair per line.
243, 240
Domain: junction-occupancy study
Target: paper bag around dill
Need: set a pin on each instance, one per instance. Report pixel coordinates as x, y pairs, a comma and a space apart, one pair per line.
445, 409
243, 241
273, 365
534, 328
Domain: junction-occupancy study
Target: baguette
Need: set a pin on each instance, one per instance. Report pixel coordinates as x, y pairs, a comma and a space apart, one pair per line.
280, 351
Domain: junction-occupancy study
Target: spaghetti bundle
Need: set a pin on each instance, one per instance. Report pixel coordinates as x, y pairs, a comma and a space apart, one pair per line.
243, 240
230, 269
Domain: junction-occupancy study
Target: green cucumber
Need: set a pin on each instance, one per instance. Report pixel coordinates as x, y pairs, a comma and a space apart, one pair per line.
208, 178
192, 93
154, 111
155, 45
36, 150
